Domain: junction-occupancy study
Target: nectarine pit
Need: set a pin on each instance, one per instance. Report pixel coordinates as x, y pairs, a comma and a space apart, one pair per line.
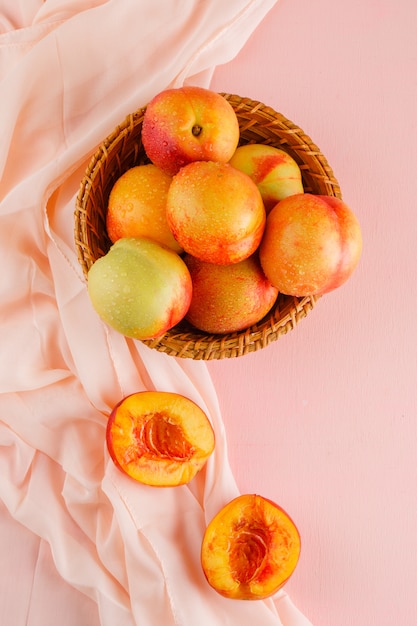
249, 550
158, 436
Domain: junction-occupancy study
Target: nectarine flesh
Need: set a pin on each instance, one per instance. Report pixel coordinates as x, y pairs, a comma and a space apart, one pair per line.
159, 438
250, 548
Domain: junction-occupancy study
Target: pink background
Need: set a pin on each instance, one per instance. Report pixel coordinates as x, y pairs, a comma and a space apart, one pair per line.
324, 420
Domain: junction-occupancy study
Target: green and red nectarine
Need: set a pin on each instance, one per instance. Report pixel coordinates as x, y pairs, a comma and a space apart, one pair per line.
140, 288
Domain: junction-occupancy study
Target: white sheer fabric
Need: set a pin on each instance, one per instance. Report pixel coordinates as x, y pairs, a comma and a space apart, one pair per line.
70, 71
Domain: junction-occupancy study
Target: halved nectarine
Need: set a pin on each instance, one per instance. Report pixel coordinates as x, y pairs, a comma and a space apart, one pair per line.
159, 438
250, 548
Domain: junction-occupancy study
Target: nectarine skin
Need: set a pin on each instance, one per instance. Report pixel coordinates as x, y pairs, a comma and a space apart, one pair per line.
215, 212
136, 206
228, 298
188, 124
311, 244
276, 174
140, 288
250, 548
159, 438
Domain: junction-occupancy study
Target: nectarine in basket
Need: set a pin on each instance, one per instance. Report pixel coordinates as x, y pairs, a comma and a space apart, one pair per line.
124, 149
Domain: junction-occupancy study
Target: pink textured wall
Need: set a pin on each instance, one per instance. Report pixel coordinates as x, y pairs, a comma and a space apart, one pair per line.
324, 421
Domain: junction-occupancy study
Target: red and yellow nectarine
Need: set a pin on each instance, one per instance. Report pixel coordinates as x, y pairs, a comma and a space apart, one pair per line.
188, 124
311, 244
276, 174
215, 212
228, 298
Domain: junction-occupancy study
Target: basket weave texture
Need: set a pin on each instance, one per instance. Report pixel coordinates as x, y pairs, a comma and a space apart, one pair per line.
123, 149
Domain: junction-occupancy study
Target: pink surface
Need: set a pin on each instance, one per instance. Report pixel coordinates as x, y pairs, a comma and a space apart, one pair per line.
324, 420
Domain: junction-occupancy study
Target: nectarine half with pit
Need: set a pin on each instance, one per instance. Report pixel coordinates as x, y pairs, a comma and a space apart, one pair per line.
159, 438
215, 212
250, 548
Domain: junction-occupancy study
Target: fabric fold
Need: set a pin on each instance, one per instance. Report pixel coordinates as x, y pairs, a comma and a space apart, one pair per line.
72, 71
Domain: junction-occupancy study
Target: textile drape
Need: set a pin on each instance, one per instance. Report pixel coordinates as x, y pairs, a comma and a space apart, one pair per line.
70, 71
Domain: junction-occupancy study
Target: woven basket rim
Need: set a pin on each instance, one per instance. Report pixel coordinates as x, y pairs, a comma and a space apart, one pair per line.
256, 120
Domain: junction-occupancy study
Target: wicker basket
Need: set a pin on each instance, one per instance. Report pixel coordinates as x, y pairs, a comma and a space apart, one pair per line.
123, 149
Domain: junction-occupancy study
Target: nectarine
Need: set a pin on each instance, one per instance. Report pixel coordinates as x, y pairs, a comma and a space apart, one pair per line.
215, 212
250, 548
274, 171
311, 244
186, 124
228, 298
159, 438
140, 288
136, 206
